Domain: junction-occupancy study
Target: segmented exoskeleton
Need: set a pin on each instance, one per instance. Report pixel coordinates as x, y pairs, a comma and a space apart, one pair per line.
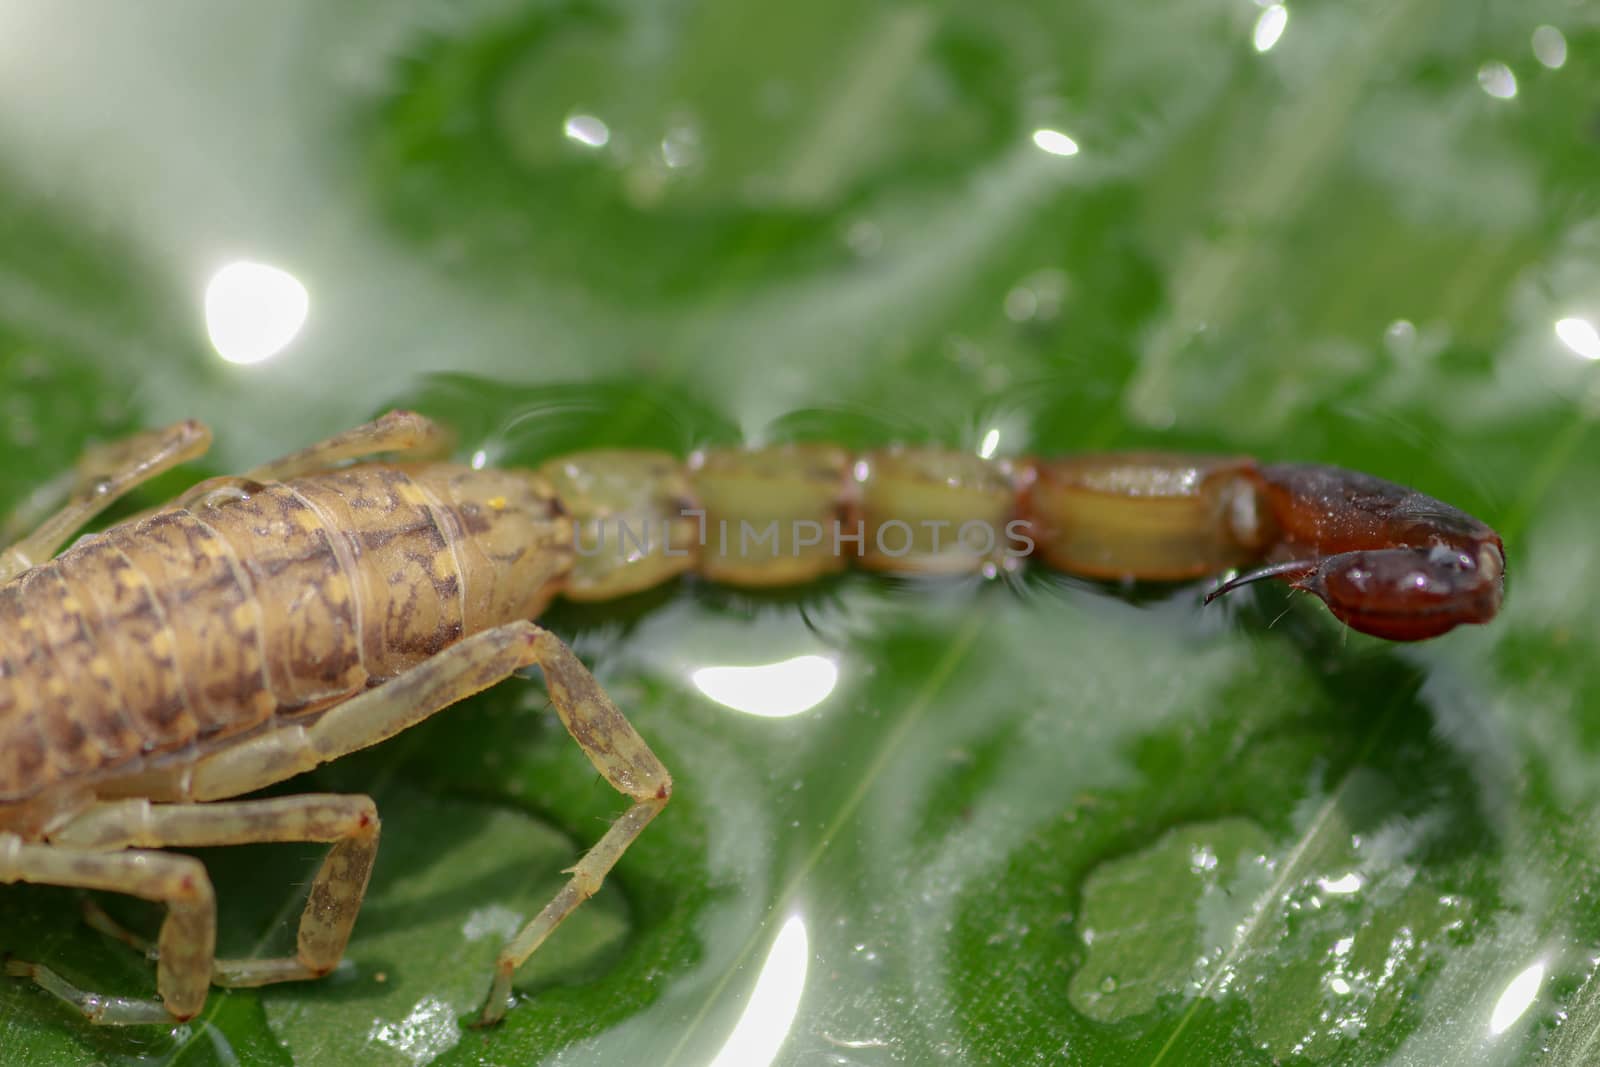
262, 625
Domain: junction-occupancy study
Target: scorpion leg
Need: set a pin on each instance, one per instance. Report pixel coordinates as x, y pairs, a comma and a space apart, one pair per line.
104, 474
97, 918
350, 823
476, 663
619, 754
188, 935
397, 431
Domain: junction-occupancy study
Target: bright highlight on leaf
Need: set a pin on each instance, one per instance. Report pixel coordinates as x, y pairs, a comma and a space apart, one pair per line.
1581, 336
253, 311
1270, 24
1341, 886
1550, 47
1055, 142
759, 1035
426, 1033
587, 130
1517, 998
773, 690
1496, 79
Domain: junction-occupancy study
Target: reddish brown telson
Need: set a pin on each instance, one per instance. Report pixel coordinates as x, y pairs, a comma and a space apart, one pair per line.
261, 625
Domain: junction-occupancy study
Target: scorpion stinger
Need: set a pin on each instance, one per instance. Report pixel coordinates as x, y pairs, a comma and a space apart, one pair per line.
1293, 570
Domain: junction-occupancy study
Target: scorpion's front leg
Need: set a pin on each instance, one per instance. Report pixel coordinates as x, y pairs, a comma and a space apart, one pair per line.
404, 432
105, 474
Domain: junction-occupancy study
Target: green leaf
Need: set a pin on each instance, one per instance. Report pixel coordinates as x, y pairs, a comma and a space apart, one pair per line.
1039, 820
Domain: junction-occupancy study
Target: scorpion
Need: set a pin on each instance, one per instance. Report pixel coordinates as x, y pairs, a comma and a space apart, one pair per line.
260, 625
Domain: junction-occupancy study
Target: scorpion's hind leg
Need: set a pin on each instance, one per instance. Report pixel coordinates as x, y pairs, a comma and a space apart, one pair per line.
621, 755
188, 935
95, 1007
454, 674
349, 823
398, 431
104, 474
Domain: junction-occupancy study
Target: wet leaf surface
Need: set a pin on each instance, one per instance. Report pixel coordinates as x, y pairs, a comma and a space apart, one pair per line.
1038, 820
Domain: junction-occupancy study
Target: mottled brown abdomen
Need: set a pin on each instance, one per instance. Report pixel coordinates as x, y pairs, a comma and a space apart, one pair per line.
201, 623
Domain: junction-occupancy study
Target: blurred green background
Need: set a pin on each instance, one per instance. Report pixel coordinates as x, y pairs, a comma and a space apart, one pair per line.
1034, 822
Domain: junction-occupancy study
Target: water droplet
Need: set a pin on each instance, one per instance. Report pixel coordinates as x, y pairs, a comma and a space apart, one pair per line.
1580, 336
1496, 79
494, 921
680, 148
1550, 47
1270, 24
864, 238
1147, 947
1021, 304
1349, 882
1401, 336
1055, 142
423, 1035
586, 130
1038, 297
